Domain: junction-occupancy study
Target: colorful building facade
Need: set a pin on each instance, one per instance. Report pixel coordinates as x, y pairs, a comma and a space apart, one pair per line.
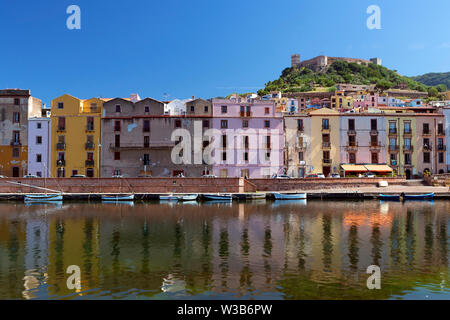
75, 130
39, 142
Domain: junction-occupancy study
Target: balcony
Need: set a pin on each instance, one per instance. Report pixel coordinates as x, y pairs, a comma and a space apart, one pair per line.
441, 133
375, 146
326, 161
302, 146
351, 147
139, 146
407, 132
392, 131
60, 146
89, 163
407, 148
393, 147
326, 128
373, 132
441, 148
300, 129
60, 162
61, 129
16, 143
326, 145
427, 147
89, 146
90, 128
426, 132
351, 132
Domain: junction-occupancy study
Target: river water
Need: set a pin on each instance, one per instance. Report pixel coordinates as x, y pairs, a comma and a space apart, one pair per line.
254, 250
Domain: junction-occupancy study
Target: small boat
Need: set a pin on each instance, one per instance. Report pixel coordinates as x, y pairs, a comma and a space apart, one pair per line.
169, 197
218, 196
289, 196
426, 196
118, 197
249, 196
43, 197
187, 197
389, 197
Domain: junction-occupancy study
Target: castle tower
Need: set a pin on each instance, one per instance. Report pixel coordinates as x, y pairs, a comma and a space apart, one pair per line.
295, 60
377, 61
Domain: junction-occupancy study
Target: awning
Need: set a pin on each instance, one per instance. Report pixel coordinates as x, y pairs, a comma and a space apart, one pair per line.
353, 168
378, 168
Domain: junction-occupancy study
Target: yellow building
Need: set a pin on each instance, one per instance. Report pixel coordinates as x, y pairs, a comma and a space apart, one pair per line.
325, 153
75, 136
341, 102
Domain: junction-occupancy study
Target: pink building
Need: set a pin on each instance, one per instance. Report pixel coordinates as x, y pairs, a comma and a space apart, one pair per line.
248, 139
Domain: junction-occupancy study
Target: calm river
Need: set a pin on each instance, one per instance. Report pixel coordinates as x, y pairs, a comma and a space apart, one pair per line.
254, 250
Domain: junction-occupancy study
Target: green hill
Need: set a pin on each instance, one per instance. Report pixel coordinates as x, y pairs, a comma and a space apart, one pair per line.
302, 79
435, 79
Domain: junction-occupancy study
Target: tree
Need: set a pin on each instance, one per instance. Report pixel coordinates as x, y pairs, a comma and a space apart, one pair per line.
433, 92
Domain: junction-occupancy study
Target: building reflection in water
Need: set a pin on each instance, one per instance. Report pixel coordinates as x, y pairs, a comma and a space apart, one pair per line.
313, 250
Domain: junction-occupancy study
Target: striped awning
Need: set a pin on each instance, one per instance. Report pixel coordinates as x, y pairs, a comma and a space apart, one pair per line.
353, 168
378, 168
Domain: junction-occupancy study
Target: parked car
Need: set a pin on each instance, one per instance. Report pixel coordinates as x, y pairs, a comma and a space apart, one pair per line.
321, 175
30, 176
3, 177
78, 176
209, 176
335, 175
281, 176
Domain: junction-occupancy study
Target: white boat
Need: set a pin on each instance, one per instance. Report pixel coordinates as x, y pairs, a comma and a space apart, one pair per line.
218, 196
188, 197
118, 197
169, 197
289, 196
43, 197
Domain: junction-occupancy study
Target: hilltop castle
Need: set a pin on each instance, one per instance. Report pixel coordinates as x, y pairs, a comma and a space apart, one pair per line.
320, 62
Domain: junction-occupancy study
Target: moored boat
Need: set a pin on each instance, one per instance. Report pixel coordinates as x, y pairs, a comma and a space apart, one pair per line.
187, 197
169, 197
389, 197
289, 196
43, 197
249, 196
426, 196
118, 197
218, 196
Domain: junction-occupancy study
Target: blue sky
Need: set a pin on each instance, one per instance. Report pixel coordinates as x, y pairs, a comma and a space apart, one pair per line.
205, 48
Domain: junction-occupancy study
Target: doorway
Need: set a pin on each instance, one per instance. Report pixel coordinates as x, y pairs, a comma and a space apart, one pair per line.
326, 171
15, 172
408, 174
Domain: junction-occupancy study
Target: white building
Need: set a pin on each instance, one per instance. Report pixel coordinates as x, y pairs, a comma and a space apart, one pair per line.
39, 142
446, 112
176, 107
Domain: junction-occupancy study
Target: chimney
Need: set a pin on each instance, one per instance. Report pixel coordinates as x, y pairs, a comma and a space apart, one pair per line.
193, 97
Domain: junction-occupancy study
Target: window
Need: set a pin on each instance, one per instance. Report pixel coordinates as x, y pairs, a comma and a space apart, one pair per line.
146, 159
15, 152
93, 107
192, 108
267, 156
118, 108
246, 142
206, 109
90, 123
16, 101
117, 126
90, 172
266, 123
60, 105
224, 109
426, 157
267, 139
426, 144
16, 117
374, 141
352, 141
407, 159
205, 123
39, 174
146, 109
224, 124
177, 123
224, 141
61, 123
351, 124
325, 124
117, 140
245, 156
441, 157
300, 124
300, 156
242, 111
224, 156
266, 110
146, 141
407, 143
392, 127
116, 155
440, 128
117, 172
426, 128
90, 156
38, 140
351, 157
16, 137
244, 123
407, 127
146, 127
440, 144
38, 158
373, 124
61, 172
374, 157
38, 125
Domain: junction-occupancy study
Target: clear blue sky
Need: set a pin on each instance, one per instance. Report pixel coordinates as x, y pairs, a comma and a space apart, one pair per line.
205, 48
